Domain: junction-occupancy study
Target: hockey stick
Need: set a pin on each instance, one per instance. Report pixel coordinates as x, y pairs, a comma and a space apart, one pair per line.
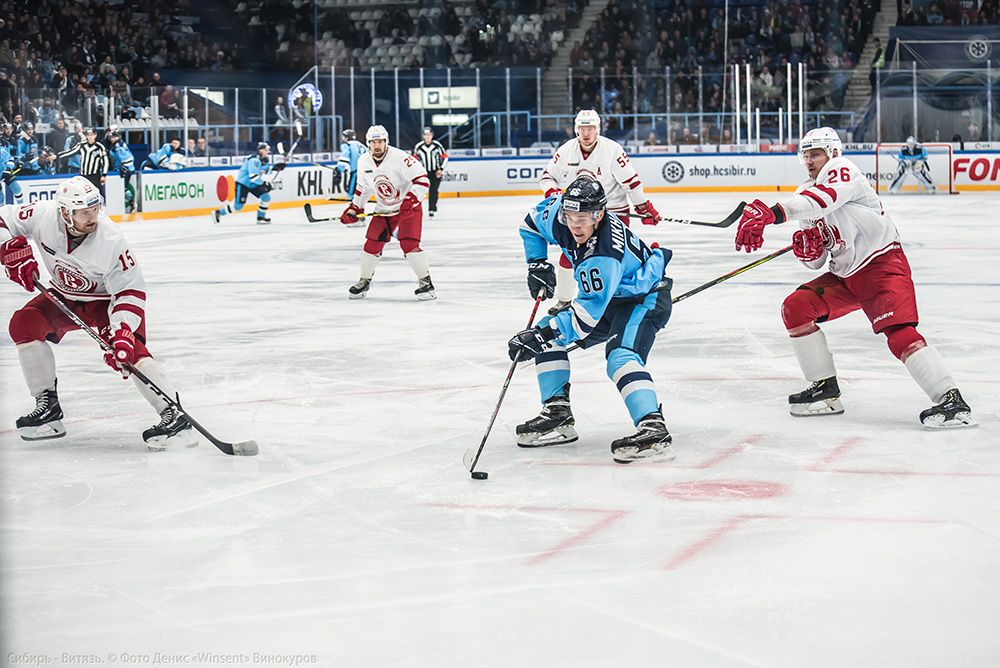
245, 448
725, 222
715, 281
313, 219
471, 460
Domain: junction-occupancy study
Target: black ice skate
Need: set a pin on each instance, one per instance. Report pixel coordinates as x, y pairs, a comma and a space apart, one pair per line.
216, 216
951, 413
553, 426
650, 443
559, 307
264, 221
820, 398
45, 421
172, 430
425, 289
360, 289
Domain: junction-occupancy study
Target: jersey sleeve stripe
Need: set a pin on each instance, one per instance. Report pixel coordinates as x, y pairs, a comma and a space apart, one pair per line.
131, 293
828, 190
130, 308
814, 196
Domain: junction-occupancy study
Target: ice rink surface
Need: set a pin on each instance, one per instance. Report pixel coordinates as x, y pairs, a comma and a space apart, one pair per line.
357, 538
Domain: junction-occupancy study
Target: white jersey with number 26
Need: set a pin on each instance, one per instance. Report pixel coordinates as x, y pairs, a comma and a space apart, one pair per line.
844, 206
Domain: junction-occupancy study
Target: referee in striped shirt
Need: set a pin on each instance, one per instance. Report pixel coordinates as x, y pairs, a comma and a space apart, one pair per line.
94, 159
432, 156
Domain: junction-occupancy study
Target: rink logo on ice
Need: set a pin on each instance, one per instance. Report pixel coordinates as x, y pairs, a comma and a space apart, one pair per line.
72, 280
673, 172
165, 193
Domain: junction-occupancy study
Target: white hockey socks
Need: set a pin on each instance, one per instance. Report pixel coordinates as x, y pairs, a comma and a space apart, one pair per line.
38, 364
419, 263
155, 372
368, 264
565, 284
814, 356
928, 369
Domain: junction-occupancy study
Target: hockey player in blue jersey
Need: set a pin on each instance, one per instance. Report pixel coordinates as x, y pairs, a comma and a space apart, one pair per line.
912, 158
164, 157
347, 166
123, 161
27, 149
251, 181
10, 170
624, 300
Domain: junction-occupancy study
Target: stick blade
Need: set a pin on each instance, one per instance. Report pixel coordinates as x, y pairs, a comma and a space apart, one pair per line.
469, 459
733, 217
298, 128
281, 148
245, 448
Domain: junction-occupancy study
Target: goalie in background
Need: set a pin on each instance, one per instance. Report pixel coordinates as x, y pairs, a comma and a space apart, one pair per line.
913, 158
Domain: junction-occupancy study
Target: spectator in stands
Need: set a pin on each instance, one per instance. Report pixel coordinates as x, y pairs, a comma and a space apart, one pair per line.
686, 137
168, 102
651, 140
47, 114
281, 114
57, 135
201, 148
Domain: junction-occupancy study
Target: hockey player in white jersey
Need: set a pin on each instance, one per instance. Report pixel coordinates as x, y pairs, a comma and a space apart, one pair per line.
399, 183
912, 158
843, 225
94, 273
605, 161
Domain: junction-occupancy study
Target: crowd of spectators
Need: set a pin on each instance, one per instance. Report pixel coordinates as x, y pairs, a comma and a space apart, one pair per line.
949, 13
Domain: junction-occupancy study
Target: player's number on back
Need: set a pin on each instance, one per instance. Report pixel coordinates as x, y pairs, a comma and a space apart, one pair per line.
594, 283
126, 260
845, 175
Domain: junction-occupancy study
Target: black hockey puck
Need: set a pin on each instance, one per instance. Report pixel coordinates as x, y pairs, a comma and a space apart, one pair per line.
480, 475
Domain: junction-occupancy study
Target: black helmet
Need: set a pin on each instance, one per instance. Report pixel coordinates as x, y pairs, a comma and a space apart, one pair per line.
28, 125
114, 134
349, 135
47, 151
584, 194
261, 145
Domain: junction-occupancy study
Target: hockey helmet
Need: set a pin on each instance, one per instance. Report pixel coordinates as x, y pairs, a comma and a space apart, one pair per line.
262, 145
911, 142
822, 138
7, 127
28, 126
47, 151
376, 132
75, 194
587, 117
583, 194
89, 131
349, 134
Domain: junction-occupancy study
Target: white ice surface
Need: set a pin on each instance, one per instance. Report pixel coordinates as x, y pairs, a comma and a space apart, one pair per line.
358, 537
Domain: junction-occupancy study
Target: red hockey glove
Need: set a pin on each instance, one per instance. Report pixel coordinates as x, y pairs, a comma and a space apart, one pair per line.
409, 204
750, 235
19, 262
350, 215
650, 216
552, 191
807, 244
124, 345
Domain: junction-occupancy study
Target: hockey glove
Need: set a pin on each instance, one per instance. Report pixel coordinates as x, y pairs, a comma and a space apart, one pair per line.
409, 204
337, 177
552, 191
278, 166
529, 343
124, 345
350, 215
267, 186
756, 215
807, 244
650, 216
8, 176
541, 279
19, 262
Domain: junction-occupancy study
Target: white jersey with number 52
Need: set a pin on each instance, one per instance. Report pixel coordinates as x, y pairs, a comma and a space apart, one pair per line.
99, 268
607, 163
842, 204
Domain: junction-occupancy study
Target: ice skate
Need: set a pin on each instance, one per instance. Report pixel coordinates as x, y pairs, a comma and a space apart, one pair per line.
553, 426
45, 421
360, 289
651, 443
173, 430
820, 398
951, 413
216, 217
559, 307
425, 289
264, 221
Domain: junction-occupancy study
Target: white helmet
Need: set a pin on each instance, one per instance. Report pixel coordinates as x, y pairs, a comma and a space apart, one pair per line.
77, 193
911, 142
824, 138
376, 132
587, 117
